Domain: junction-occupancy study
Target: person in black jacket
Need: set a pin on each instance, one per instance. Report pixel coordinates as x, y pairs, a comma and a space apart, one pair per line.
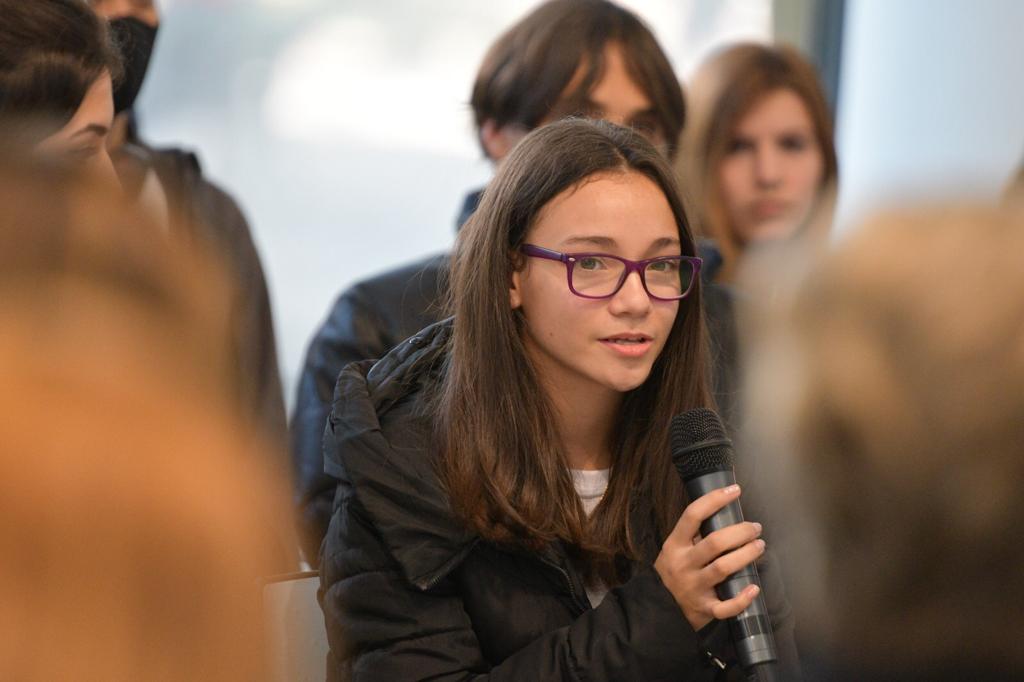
171, 182
507, 507
589, 58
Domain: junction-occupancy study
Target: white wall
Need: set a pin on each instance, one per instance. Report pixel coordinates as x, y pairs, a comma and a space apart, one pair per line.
931, 101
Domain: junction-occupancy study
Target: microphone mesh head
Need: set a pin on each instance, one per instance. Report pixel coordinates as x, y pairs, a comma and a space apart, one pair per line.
689, 431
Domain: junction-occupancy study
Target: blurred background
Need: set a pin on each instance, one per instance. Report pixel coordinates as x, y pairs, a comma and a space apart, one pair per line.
318, 114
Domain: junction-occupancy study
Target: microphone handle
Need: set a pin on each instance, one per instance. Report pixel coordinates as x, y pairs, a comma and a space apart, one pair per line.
766, 672
751, 630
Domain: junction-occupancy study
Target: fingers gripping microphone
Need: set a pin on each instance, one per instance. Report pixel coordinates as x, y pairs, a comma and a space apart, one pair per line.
703, 455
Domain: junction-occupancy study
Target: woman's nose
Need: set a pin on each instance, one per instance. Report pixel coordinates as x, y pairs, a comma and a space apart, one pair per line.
767, 166
632, 298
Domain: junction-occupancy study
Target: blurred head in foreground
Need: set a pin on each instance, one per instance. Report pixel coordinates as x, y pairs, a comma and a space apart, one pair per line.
892, 401
128, 549
758, 156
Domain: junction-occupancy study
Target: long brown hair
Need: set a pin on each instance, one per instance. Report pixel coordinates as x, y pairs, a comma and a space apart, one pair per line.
724, 90
527, 69
502, 461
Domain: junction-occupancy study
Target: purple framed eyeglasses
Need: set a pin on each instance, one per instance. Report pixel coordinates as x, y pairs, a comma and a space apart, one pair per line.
601, 275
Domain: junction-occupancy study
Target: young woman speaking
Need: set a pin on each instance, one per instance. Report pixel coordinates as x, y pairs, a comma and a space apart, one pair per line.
508, 508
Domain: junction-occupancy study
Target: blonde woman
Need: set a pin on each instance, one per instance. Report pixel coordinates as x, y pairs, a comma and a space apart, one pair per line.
758, 159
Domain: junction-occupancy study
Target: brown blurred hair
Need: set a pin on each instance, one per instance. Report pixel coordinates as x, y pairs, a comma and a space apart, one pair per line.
51, 52
903, 362
130, 491
502, 461
724, 90
525, 73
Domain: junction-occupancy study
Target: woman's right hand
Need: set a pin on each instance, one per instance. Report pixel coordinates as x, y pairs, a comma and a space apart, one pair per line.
691, 566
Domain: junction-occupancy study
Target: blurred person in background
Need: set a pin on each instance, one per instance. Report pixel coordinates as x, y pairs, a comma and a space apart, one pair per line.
132, 529
507, 507
889, 399
58, 67
759, 162
171, 182
588, 58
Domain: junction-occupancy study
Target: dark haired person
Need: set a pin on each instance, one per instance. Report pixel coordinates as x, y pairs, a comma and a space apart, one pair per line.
172, 181
508, 509
587, 58
57, 72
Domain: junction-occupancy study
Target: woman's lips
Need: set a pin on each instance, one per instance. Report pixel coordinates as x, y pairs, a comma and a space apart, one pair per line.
768, 208
626, 345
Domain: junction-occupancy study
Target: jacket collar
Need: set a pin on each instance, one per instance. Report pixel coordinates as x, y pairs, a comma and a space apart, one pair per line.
378, 445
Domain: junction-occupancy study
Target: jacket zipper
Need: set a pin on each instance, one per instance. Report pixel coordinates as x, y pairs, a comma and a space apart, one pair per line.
447, 568
584, 605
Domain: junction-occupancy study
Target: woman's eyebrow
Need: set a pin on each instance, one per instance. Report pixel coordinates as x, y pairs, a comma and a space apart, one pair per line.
663, 242
609, 243
605, 242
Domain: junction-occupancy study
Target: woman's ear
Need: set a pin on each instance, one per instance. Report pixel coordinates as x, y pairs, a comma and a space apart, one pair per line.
515, 295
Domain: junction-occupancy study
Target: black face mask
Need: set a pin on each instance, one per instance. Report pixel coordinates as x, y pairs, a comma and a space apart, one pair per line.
135, 39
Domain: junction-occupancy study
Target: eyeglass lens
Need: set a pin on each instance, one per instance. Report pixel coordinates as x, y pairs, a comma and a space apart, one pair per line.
600, 276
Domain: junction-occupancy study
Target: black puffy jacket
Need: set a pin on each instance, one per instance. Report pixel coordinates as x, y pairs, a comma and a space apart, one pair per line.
409, 593
365, 322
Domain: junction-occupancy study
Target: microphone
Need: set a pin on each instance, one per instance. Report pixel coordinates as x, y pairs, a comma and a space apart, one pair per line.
703, 456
